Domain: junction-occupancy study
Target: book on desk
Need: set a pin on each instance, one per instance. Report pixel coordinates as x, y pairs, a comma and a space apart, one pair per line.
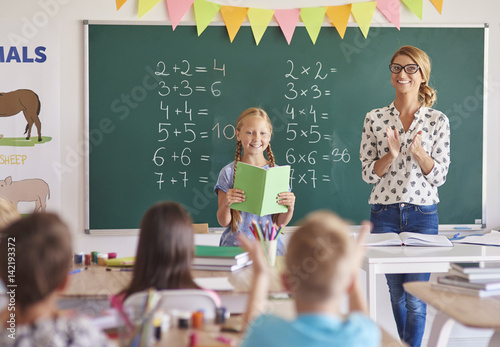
407, 239
216, 258
471, 278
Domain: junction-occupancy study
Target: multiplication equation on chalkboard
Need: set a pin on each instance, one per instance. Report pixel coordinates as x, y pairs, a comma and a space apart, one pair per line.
310, 124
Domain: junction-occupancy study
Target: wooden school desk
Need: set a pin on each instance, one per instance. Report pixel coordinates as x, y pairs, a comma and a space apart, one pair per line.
468, 310
96, 284
409, 259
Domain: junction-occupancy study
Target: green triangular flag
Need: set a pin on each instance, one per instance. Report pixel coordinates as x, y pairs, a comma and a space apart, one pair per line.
415, 6
312, 18
204, 12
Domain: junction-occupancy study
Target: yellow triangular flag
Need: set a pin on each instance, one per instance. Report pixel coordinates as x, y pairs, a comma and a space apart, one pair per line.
312, 18
259, 20
438, 4
363, 14
145, 5
339, 15
233, 17
119, 4
204, 12
415, 6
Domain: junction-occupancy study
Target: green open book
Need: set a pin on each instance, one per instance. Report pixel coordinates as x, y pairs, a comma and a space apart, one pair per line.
261, 188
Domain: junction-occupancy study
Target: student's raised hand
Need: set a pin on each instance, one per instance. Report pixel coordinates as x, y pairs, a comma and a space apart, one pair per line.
359, 248
234, 195
287, 199
255, 252
393, 141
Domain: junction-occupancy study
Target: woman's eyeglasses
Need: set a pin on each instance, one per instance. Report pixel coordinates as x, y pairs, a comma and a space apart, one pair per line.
409, 69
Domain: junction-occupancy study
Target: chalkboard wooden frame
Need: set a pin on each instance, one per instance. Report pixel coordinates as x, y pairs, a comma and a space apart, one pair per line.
352, 44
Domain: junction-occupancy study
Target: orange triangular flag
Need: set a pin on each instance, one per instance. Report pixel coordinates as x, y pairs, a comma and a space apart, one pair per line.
339, 15
233, 17
119, 4
438, 4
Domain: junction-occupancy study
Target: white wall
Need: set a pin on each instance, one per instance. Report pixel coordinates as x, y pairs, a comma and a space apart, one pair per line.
70, 13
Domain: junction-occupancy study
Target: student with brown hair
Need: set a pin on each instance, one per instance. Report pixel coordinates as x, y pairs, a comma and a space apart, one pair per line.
322, 264
165, 250
35, 257
253, 133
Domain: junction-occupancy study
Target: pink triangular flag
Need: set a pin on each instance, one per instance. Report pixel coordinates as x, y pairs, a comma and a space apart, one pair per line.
287, 20
177, 9
390, 9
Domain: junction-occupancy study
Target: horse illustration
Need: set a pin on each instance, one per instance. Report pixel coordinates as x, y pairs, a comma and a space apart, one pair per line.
25, 100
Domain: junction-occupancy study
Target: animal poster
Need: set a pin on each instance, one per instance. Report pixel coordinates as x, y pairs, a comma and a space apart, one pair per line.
29, 114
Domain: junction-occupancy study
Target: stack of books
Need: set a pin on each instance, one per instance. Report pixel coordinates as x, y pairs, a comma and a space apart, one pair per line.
216, 258
471, 278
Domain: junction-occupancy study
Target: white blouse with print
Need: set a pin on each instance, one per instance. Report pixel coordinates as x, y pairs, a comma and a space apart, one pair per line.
404, 181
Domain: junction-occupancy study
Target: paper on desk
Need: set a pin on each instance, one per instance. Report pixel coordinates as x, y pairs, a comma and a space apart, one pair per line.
214, 283
489, 239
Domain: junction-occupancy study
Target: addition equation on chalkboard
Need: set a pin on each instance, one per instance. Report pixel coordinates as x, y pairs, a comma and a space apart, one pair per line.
180, 122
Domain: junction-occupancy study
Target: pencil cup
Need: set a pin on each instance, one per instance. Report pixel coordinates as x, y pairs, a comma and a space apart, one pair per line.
270, 250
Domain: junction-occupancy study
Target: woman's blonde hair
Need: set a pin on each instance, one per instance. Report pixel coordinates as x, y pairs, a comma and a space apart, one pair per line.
426, 94
249, 112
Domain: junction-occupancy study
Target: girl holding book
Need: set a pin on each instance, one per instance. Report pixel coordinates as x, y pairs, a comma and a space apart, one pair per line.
405, 154
253, 134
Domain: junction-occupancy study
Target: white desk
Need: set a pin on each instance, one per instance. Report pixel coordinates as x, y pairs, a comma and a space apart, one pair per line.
402, 259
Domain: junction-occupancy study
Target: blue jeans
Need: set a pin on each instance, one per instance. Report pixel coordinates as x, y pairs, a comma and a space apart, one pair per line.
409, 312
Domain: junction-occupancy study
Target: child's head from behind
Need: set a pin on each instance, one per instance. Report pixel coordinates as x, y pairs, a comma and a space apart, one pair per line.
165, 249
319, 258
8, 213
39, 246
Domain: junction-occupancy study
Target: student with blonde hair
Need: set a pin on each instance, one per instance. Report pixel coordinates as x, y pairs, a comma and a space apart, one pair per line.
322, 265
253, 133
8, 213
35, 258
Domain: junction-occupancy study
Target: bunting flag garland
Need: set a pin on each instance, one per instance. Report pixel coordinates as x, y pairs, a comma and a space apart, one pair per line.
259, 21
312, 18
438, 4
233, 18
415, 6
390, 9
287, 19
119, 4
145, 5
176, 10
363, 14
204, 12
339, 16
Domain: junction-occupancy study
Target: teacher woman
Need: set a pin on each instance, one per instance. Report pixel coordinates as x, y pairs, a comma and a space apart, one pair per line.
405, 154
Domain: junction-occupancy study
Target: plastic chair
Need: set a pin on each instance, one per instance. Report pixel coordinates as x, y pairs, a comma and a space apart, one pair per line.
180, 299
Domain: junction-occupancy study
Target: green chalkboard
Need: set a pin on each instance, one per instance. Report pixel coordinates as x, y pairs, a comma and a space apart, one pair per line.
162, 106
